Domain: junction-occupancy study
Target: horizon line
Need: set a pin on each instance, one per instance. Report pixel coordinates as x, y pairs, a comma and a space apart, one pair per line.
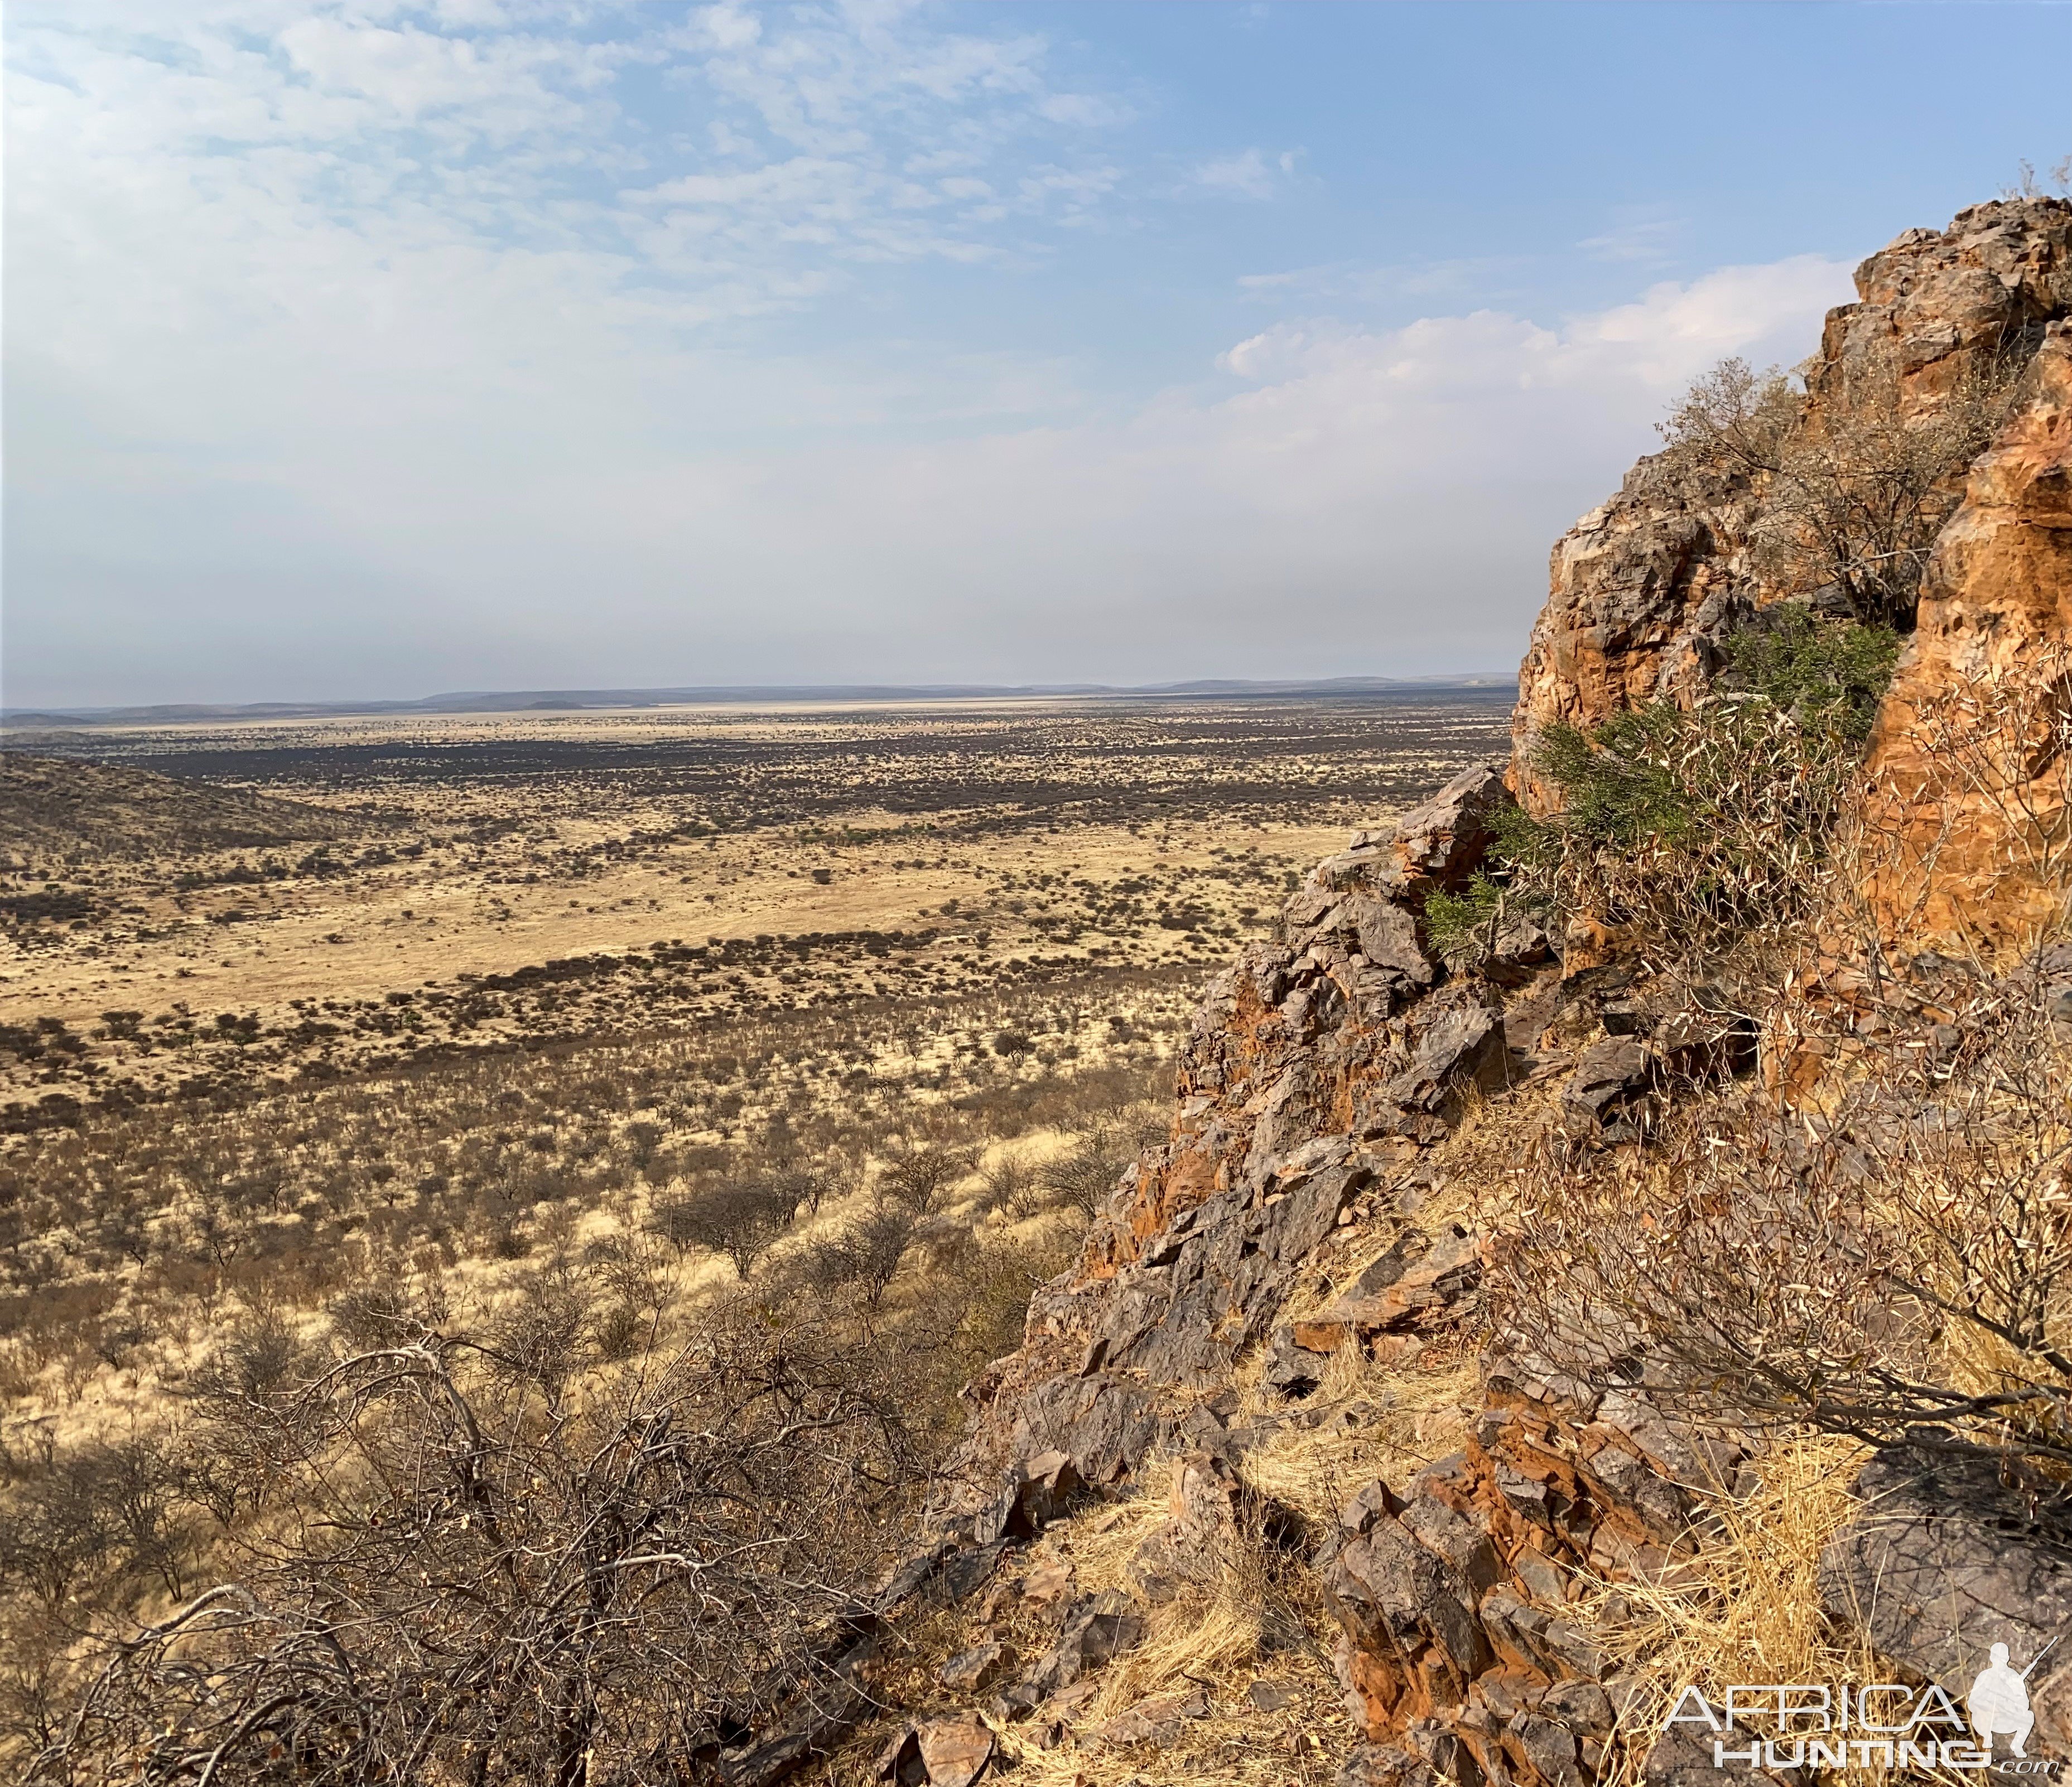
50, 716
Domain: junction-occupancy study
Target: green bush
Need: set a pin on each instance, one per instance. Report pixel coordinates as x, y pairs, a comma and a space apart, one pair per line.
1836, 669
1458, 925
1693, 828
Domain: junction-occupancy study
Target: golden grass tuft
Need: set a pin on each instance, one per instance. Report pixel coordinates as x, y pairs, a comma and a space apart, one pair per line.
1746, 1608
1409, 1419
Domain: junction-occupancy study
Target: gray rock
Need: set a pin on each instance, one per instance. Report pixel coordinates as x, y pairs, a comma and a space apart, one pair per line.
1684, 1758
973, 1671
1610, 1075
1944, 1562
1035, 1494
1384, 1765
1096, 1633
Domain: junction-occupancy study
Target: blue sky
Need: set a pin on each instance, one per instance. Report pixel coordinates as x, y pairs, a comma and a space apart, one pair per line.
376, 348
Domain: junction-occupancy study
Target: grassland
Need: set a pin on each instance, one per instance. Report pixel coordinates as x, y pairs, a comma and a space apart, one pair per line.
585, 1018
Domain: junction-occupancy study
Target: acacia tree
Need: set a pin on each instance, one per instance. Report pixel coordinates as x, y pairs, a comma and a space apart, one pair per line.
741, 1220
462, 1584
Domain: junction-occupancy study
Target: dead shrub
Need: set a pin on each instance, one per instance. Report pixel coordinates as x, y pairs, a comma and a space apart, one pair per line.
1898, 1271
616, 1590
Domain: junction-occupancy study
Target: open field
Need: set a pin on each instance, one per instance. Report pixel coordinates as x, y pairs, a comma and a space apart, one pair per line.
523, 877
558, 1033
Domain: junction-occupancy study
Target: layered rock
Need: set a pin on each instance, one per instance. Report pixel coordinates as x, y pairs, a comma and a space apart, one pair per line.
1644, 591
1317, 1067
1968, 842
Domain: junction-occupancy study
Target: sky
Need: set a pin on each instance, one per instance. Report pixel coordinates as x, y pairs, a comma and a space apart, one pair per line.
366, 349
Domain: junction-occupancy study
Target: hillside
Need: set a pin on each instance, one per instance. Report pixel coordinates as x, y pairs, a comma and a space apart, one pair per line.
1429, 1406
60, 808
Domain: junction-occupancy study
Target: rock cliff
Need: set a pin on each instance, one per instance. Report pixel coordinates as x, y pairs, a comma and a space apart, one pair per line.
1300, 1221
1644, 590
1967, 813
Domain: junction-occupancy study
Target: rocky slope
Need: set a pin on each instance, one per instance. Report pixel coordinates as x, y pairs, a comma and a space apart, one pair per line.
1298, 1223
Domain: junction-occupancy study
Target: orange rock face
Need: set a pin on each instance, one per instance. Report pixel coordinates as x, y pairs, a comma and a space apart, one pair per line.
1968, 817
1643, 591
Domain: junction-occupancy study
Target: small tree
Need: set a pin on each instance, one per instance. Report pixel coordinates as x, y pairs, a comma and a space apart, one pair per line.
1085, 1175
919, 1176
1852, 493
740, 1220
867, 1252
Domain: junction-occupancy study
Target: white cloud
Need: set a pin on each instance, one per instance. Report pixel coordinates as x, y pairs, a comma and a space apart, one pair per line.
1251, 173
369, 346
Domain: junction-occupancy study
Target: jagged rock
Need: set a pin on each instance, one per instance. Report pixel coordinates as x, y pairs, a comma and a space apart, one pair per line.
975, 1670
1944, 1562
1966, 787
1096, 1633
1611, 1075
1035, 1494
949, 1751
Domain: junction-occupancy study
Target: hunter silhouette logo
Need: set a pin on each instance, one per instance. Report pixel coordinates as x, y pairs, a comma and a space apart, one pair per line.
1998, 1701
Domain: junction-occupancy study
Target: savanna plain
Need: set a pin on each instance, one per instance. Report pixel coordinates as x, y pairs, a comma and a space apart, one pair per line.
573, 1037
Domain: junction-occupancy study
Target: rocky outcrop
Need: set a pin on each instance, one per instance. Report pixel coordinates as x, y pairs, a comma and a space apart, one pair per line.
1644, 590
1946, 1561
1319, 1066
1968, 818
1282, 1225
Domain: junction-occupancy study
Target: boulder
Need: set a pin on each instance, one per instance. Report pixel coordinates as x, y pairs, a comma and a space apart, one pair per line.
1944, 1562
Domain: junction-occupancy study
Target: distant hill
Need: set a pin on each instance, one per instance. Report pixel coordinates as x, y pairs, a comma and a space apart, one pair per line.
58, 806
39, 726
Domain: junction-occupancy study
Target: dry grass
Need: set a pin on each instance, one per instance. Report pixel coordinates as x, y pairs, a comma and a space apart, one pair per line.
1746, 1606
1258, 1618
1376, 1421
